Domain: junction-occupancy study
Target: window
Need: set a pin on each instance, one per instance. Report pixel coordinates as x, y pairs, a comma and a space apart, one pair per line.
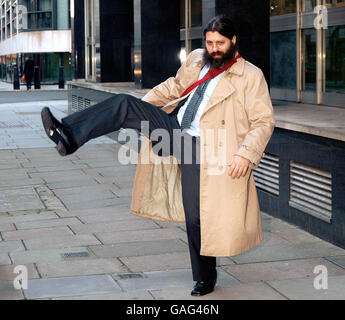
335, 59
283, 59
309, 36
40, 14
335, 3
279, 7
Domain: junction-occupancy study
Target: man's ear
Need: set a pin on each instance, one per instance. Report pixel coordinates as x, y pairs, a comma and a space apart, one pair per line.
233, 40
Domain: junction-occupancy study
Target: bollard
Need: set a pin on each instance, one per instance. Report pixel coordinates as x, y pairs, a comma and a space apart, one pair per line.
16, 84
61, 78
37, 77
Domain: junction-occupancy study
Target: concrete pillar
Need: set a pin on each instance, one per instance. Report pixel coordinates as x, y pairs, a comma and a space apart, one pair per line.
156, 41
252, 20
78, 38
116, 40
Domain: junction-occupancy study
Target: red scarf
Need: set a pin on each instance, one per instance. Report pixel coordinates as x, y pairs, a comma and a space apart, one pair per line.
212, 73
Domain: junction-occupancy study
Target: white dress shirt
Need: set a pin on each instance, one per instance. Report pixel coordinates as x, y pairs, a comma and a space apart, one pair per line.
194, 129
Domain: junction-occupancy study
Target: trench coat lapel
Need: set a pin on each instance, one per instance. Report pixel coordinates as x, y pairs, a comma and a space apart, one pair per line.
193, 75
224, 88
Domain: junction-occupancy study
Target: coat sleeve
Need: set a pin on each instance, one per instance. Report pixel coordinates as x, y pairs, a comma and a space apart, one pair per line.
170, 89
258, 107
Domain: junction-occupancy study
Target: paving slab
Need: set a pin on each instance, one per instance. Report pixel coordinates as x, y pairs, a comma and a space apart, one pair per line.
38, 233
18, 181
62, 162
78, 182
338, 260
280, 270
79, 267
163, 261
156, 280
142, 235
86, 196
132, 295
62, 242
29, 217
52, 177
99, 203
83, 189
263, 253
8, 292
4, 259
47, 223
6, 226
303, 289
11, 246
273, 239
247, 291
296, 235
276, 225
62, 168
45, 255
19, 199
115, 215
139, 248
70, 286
120, 210
7, 274
120, 225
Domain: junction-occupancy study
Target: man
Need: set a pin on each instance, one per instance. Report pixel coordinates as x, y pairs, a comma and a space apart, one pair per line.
216, 91
29, 71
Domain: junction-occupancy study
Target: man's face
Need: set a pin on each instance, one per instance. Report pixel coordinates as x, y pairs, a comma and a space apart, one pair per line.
219, 49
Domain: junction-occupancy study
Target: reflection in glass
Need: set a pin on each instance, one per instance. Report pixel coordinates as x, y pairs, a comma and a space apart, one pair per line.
39, 5
335, 3
308, 5
335, 59
278, 7
309, 36
41, 20
196, 13
283, 59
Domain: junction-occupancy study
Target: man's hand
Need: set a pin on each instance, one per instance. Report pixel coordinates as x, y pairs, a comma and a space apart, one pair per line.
238, 167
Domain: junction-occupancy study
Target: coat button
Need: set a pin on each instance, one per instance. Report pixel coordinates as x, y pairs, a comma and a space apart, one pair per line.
223, 122
220, 144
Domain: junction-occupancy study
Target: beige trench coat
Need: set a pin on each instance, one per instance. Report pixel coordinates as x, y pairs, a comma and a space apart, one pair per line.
240, 108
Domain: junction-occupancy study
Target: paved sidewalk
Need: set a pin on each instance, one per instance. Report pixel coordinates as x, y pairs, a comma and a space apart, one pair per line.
6, 86
66, 219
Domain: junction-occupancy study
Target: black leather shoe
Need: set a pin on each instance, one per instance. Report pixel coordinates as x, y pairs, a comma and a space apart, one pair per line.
55, 132
202, 287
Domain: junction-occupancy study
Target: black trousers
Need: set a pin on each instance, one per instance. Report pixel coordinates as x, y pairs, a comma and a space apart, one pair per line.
28, 79
126, 111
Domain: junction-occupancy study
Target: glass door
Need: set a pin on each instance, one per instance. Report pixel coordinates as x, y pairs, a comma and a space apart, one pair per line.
321, 49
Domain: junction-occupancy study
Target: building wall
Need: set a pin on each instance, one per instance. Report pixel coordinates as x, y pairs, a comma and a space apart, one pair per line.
37, 28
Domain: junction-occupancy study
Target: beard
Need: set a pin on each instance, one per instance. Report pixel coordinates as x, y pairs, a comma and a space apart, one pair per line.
225, 57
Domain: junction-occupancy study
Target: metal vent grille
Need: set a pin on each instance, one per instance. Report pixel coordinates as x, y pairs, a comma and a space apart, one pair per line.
311, 190
266, 175
80, 103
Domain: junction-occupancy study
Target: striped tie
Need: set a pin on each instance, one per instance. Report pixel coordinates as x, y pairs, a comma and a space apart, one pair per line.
193, 105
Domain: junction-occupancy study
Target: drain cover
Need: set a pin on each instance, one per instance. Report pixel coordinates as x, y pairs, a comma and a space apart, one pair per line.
75, 255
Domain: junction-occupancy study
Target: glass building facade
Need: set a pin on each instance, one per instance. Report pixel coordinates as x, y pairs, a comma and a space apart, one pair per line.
308, 51
24, 21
